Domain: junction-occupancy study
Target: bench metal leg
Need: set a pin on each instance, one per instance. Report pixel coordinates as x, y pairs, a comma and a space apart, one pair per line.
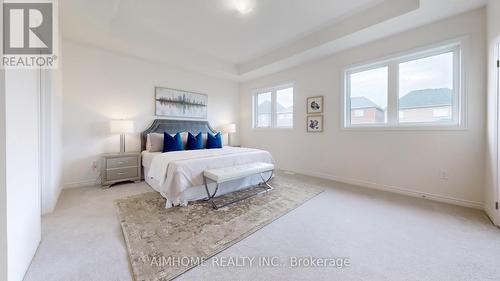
265, 182
210, 197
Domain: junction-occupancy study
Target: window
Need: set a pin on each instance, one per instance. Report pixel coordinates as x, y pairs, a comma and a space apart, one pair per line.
264, 110
284, 108
441, 113
359, 113
368, 96
273, 108
421, 89
425, 85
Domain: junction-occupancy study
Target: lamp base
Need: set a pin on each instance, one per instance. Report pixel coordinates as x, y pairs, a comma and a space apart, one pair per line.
122, 143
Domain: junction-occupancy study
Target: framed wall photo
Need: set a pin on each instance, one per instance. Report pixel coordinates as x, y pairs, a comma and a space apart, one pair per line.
179, 103
315, 123
315, 105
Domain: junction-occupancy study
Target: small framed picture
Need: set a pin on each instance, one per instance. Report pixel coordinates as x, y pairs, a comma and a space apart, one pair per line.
315, 105
315, 123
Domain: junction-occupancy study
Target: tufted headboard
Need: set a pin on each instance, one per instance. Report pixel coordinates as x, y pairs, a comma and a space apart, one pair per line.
175, 126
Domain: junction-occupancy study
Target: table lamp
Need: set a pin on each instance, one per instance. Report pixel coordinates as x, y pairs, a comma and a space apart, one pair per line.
229, 129
121, 127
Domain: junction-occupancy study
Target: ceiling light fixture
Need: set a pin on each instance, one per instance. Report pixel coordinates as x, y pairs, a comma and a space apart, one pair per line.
243, 6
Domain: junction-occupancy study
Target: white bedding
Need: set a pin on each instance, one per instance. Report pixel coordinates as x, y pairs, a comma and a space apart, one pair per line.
147, 158
178, 175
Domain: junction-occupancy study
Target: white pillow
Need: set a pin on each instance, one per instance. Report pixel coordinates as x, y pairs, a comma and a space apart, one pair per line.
184, 137
204, 138
154, 141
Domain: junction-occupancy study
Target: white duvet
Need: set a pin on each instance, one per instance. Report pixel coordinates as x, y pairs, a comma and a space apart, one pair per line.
177, 171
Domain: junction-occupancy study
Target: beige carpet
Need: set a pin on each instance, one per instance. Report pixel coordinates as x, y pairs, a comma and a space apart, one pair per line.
386, 236
164, 243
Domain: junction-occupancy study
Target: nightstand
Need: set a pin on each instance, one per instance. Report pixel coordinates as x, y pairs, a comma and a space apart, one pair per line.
120, 167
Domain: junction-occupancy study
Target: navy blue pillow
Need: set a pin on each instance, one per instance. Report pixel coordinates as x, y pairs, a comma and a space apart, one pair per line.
194, 143
172, 143
214, 141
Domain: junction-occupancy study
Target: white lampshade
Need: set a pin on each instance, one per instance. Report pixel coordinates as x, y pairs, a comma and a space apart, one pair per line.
121, 126
229, 128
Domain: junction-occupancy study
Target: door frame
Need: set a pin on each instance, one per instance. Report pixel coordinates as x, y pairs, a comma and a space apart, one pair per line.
45, 140
496, 212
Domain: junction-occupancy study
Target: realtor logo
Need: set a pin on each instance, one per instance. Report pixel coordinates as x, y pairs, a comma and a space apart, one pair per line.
28, 35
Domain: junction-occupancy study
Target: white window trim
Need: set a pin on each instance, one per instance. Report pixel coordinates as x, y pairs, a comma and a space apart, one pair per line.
273, 91
458, 46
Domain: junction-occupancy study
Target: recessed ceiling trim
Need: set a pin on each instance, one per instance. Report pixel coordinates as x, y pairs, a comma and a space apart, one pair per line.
120, 26
382, 12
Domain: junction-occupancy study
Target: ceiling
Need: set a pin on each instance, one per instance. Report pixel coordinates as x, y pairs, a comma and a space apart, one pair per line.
211, 37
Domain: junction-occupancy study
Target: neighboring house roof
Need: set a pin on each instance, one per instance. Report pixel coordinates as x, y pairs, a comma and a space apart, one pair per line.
426, 98
363, 102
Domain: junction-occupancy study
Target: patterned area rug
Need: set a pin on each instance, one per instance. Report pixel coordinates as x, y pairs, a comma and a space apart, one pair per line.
164, 243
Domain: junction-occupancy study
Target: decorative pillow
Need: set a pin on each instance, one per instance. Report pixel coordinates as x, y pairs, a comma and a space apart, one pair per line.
172, 143
154, 142
214, 141
194, 143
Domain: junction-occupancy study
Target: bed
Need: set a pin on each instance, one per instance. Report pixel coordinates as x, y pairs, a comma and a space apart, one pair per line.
178, 175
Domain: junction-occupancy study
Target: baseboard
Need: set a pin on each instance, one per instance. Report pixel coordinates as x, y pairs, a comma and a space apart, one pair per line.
57, 197
491, 214
362, 183
49, 207
398, 190
80, 184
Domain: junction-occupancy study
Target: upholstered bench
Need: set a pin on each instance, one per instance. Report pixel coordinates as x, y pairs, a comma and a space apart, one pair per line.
221, 175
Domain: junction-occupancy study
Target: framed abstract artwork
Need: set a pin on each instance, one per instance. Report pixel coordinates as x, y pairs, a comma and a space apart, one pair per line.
315, 123
315, 105
179, 103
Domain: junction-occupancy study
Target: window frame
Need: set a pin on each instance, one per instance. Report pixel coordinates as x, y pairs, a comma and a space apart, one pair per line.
274, 112
457, 121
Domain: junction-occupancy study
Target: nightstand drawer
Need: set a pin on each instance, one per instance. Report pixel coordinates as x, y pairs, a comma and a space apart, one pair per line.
120, 162
123, 173
120, 167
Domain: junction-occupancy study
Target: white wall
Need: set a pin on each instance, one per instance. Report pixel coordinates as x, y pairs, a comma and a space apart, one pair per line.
3, 181
22, 169
51, 131
493, 38
401, 161
51, 137
100, 85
